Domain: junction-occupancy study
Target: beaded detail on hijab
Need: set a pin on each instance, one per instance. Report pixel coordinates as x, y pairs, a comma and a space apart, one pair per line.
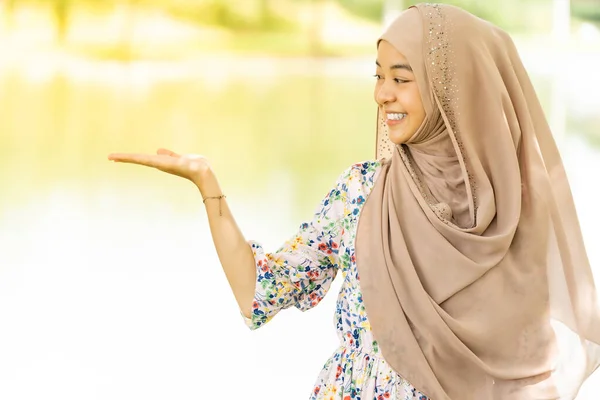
384, 144
440, 64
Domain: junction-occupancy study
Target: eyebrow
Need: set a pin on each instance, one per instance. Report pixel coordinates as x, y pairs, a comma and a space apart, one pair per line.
397, 66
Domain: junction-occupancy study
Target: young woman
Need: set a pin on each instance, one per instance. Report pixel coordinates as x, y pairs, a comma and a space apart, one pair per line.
465, 274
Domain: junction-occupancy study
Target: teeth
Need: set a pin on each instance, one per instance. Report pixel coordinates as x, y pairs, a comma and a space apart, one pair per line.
396, 116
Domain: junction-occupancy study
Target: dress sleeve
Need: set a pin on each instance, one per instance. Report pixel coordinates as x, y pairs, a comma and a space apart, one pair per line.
300, 273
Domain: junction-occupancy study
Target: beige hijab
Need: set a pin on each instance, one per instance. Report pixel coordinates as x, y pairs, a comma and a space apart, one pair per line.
470, 256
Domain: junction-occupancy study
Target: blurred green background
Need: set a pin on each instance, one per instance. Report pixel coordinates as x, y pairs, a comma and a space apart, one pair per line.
263, 84
106, 269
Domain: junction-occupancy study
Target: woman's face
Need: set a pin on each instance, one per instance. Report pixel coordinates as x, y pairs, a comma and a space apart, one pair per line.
397, 94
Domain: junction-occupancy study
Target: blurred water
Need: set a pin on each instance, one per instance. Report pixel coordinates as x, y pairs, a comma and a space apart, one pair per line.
109, 284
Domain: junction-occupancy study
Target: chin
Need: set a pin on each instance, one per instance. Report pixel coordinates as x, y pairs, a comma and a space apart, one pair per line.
398, 137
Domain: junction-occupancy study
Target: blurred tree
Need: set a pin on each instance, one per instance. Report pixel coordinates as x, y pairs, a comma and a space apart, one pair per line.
369, 9
586, 9
512, 15
316, 29
62, 9
269, 19
128, 27
9, 10
227, 14
266, 13
9, 6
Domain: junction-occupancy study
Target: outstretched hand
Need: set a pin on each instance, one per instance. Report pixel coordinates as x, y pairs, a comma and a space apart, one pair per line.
189, 166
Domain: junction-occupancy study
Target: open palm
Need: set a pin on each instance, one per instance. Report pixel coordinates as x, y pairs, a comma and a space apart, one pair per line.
189, 166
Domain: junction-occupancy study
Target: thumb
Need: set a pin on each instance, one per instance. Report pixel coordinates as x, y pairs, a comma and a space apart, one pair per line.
166, 152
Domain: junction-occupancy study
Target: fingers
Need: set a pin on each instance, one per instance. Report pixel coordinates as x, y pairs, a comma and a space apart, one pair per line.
166, 152
140, 159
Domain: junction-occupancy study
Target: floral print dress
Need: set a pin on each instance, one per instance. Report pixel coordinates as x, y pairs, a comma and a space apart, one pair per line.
300, 273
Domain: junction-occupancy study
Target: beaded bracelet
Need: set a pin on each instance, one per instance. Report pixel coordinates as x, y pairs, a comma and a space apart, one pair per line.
215, 198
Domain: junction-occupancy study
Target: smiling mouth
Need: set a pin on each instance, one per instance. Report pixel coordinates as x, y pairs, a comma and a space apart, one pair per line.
395, 118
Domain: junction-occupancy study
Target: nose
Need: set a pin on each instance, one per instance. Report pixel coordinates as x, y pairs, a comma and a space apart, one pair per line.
383, 94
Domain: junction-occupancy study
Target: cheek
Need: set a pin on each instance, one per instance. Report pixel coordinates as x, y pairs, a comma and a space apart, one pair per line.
376, 90
414, 107
413, 101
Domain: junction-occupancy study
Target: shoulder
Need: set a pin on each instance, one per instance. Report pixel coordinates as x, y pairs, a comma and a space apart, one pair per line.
356, 182
351, 190
364, 173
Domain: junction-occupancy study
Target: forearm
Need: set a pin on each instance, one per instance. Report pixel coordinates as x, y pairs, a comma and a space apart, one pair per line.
235, 254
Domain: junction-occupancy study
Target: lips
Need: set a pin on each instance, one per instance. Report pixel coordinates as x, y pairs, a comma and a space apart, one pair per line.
393, 122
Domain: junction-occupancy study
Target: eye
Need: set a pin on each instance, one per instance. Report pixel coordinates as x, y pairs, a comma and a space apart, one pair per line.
377, 77
400, 80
